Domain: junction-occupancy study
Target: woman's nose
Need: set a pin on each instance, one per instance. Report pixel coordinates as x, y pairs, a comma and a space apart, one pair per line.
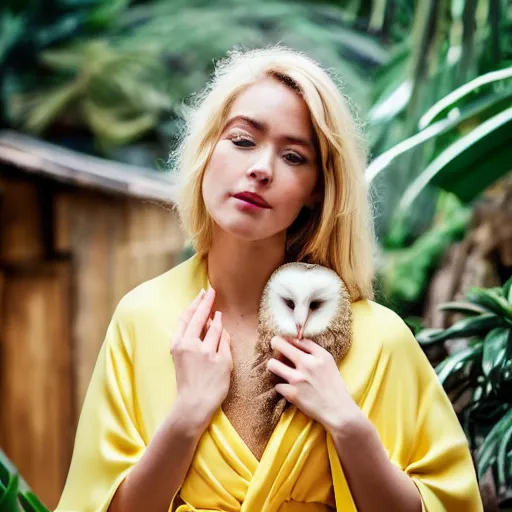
261, 170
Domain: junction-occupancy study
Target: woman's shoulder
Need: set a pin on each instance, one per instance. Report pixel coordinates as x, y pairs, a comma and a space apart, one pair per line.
384, 352
380, 328
164, 293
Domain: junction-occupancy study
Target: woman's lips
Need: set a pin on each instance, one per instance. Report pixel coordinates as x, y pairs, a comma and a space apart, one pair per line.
253, 199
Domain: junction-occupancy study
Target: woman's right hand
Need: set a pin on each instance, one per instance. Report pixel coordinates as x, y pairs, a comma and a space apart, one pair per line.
203, 366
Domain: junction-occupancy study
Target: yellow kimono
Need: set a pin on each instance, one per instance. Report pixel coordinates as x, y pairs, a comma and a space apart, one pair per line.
133, 389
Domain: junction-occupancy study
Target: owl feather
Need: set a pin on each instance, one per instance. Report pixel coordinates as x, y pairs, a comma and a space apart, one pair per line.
300, 300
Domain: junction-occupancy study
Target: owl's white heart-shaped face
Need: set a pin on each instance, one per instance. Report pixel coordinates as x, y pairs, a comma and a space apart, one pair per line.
303, 299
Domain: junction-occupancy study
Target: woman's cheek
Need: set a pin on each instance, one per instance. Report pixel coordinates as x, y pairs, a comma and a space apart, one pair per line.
218, 162
216, 177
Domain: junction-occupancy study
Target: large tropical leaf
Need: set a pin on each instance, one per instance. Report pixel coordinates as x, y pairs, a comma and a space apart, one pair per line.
449, 45
471, 164
495, 349
489, 451
491, 299
9, 482
456, 363
462, 329
463, 307
31, 503
468, 105
507, 290
504, 463
481, 87
15, 494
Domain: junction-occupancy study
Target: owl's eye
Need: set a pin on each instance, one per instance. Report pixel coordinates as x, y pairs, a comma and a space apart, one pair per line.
315, 304
289, 303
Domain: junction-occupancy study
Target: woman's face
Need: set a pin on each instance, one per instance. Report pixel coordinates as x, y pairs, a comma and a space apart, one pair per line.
263, 169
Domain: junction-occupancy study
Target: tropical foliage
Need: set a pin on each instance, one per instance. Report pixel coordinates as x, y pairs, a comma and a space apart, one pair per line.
404, 271
15, 495
122, 72
441, 123
478, 378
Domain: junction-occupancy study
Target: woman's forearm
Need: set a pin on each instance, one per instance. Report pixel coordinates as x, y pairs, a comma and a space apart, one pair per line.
374, 481
156, 478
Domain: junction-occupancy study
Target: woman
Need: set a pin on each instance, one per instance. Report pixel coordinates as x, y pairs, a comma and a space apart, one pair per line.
272, 167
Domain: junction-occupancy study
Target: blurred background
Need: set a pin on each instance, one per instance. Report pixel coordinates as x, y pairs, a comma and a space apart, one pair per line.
91, 103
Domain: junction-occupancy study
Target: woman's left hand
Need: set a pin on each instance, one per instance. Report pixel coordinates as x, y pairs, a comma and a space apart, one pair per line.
315, 385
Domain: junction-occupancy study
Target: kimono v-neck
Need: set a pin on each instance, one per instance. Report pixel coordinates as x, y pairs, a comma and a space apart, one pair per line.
133, 389
293, 470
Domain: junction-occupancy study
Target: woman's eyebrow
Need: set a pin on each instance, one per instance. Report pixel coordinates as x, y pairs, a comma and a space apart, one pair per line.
263, 128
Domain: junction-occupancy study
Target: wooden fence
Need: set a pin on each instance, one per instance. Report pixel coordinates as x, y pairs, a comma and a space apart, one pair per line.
67, 255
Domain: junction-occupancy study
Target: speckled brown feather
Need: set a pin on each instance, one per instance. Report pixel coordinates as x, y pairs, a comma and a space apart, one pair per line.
336, 339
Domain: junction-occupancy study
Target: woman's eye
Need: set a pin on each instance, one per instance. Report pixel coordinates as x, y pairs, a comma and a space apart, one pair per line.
294, 158
242, 142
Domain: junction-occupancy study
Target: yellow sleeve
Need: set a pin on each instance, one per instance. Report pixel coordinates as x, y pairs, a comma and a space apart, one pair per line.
107, 443
438, 458
396, 387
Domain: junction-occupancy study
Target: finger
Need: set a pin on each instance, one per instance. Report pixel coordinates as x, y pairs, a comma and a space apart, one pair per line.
206, 327
287, 391
289, 350
200, 316
212, 338
284, 371
306, 345
187, 315
225, 344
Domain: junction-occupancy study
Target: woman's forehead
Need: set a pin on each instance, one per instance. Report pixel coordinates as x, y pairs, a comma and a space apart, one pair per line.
272, 105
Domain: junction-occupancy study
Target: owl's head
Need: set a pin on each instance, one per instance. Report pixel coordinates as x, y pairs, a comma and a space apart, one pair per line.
302, 299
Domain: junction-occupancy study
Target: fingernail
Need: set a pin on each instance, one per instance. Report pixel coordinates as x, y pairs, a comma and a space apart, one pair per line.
218, 316
201, 293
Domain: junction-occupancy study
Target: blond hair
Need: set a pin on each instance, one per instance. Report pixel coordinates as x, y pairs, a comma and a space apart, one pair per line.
338, 233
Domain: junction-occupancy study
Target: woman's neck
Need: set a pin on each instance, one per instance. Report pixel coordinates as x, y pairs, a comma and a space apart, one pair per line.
238, 271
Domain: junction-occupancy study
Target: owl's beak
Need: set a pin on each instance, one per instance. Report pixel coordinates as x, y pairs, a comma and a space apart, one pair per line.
301, 315
301, 325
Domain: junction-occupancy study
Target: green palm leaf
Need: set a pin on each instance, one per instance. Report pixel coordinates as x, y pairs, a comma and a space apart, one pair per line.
467, 106
489, 83
452, 168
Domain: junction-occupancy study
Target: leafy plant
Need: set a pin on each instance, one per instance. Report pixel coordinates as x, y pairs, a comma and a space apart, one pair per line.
471, 124
462, 46
128, 80
478, 378
15, 495
405, 270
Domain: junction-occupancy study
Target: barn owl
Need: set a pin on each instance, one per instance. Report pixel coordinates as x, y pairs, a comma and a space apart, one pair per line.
300, 300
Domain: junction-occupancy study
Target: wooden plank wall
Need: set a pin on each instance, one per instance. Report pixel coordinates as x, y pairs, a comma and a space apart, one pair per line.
55, 306
36, 375
115, 245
